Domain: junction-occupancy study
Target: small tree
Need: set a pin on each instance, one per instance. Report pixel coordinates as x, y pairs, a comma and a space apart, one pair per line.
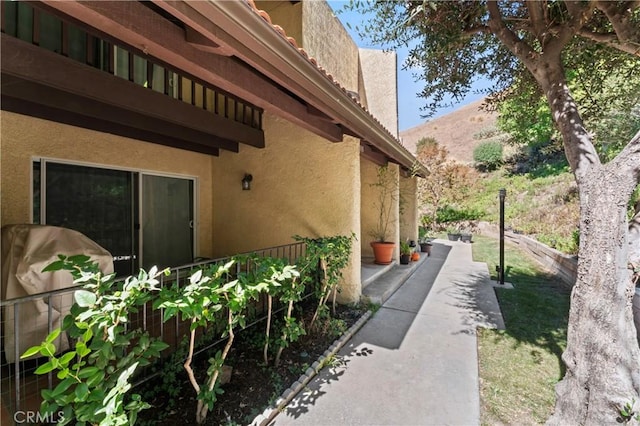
447, 182
95, 375
281, 281
208, 292
328, 256
387, 188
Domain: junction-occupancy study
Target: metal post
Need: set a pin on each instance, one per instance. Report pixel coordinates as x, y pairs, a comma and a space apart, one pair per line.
502, 193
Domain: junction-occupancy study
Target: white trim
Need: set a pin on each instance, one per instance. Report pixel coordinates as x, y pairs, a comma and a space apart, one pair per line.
141, 172
112, 167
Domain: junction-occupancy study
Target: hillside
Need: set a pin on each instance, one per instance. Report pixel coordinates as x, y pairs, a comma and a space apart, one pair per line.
454, 131
542, 203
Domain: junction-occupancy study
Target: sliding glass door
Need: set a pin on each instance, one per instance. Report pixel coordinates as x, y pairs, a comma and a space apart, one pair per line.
141, 219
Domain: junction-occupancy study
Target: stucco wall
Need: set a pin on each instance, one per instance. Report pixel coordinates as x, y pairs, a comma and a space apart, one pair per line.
379, 72
370, 206
302, 184
325, 39
286, 14
409, 210
23, 137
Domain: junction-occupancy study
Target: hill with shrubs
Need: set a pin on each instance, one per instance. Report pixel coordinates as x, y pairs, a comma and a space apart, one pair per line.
542, 198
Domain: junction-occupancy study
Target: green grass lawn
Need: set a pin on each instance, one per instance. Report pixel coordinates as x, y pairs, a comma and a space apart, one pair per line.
520, 366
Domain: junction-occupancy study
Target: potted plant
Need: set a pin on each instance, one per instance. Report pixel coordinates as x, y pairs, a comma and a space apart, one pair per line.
387, 186
465, 237
425, 247
453, 234
405, 253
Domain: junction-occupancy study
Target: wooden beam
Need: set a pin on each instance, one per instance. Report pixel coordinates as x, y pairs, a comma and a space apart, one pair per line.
53, 98
138, 26
201, 42
29, 108
33, 64
373, 155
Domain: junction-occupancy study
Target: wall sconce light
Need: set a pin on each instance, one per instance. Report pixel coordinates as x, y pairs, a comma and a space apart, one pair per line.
246, 182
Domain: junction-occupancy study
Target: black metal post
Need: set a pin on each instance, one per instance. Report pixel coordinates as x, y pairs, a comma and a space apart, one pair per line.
503, 194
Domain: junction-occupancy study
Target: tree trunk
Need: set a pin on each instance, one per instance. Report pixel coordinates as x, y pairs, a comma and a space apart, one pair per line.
602, 355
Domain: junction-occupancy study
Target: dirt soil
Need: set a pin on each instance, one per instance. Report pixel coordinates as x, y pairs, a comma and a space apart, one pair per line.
253, 387
455, 131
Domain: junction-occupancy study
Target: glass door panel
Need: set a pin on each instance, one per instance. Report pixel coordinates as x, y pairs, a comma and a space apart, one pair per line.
100, 203
167, 219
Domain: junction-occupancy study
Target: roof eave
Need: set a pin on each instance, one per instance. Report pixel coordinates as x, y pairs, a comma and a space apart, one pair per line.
240, 21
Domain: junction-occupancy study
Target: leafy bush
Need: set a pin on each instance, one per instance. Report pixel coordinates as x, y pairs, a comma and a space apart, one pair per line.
487, 132
95, 376
452, 214
488, 155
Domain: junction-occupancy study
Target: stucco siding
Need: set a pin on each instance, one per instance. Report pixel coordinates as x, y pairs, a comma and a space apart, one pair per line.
325, 39
379, 72
409, 214
302, 184
286, 14
24, 138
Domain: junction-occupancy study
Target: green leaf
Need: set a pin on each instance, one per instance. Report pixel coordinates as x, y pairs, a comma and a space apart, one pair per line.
87, 372
81, 391
66, 358
84, 298
45, 368
30, 352
96, 378
62, 387
53, 335
55, 266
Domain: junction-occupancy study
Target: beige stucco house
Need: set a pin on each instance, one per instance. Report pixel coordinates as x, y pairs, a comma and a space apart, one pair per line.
136, 124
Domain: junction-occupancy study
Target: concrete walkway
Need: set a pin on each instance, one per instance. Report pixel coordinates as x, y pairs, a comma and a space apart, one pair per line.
415, 361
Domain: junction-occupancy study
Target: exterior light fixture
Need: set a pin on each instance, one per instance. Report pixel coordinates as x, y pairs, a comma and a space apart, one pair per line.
246, 182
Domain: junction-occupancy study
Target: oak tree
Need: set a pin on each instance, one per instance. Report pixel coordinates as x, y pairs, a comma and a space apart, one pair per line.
542, 41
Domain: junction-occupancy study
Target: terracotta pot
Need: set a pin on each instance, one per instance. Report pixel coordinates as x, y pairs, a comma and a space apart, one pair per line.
383, 252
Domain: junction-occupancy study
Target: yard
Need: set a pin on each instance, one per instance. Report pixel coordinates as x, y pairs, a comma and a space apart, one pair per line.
520, 366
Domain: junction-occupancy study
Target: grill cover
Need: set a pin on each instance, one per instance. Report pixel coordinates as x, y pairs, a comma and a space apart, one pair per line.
26, 251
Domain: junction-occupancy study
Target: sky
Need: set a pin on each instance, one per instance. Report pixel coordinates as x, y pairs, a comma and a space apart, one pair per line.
409, 104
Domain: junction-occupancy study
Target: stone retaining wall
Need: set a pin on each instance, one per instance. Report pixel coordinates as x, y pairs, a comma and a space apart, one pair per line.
564, 266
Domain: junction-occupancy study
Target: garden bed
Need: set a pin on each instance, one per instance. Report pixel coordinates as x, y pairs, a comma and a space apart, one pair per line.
253, 386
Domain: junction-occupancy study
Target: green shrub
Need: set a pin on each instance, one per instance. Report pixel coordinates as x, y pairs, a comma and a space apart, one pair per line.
488, 155
452, 214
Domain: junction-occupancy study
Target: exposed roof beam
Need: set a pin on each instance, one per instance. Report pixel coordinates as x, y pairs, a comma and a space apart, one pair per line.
260, 45
24, 107
138, 26
72, 80
372, 155
200, 42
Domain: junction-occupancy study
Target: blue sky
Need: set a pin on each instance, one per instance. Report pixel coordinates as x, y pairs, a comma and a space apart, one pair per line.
409, 103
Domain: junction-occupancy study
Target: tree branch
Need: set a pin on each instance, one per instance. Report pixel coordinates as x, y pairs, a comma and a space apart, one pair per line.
627, 163
579, 14
537, 18
620, 17
521, 49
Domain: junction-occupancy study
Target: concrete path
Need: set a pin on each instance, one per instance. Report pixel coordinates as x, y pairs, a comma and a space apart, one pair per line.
415, 361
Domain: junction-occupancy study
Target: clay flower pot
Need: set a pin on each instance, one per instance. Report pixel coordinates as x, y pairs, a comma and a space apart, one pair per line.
383, 252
